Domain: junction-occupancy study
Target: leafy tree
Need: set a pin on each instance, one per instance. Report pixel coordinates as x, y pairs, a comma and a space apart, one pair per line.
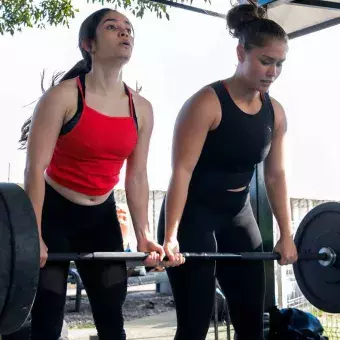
16, 14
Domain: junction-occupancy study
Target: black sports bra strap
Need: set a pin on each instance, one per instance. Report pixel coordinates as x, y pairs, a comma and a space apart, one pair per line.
82, 82
131, 105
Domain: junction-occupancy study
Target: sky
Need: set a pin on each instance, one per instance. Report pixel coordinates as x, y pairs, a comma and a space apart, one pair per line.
171, 61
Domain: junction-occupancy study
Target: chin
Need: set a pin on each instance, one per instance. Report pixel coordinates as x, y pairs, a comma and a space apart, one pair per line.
125, 56
125, 60
121, 59
258, 86
263, 88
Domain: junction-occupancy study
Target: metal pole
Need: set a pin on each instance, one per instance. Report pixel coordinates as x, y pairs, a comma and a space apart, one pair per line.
190, 8
9, 175
216, 312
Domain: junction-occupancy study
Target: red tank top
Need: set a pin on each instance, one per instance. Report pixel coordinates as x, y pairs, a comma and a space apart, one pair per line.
88, 159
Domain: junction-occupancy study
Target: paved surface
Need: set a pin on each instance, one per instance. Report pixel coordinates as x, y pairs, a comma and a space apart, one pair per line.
161, 326
148, 287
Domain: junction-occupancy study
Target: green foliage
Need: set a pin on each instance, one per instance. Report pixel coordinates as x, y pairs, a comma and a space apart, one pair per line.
17, 14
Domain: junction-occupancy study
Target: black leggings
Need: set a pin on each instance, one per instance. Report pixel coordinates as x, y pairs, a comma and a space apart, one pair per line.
69, 227
226, 225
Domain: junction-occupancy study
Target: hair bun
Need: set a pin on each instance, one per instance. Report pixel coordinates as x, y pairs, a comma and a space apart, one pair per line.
239, 16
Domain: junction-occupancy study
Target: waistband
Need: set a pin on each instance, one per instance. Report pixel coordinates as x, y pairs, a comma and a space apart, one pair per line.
219, 182
53, 196
223, 202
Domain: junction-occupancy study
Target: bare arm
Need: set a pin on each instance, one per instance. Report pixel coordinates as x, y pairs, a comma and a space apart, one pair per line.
275, 176
196, 118
46, 123
136, 180
137, 186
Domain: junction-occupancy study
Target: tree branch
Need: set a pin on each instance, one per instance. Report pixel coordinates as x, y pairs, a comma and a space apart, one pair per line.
17, 14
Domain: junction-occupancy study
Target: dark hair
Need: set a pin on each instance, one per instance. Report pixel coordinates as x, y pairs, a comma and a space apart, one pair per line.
87, 32
249, 24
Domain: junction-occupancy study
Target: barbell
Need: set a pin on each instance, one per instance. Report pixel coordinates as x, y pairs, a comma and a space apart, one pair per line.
317, 271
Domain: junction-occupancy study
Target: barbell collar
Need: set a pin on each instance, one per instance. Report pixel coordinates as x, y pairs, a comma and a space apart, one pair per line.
330, 257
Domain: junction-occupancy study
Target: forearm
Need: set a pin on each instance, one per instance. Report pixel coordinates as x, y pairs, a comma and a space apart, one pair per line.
278, 198
175, 202
137, 196
34, 185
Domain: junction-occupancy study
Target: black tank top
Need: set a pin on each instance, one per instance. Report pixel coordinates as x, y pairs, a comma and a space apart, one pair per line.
232, 150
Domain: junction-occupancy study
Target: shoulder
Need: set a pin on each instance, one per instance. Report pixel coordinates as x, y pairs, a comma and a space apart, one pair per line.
141, 102
144, 109
65, 92
205, 97
203, 108
279, 113
59, 98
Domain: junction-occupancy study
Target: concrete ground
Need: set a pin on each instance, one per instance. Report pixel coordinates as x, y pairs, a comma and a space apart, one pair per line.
161, 326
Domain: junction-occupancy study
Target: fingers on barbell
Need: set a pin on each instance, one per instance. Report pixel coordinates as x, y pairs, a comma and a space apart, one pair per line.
43, 260
288, 260
179, 259
152, 259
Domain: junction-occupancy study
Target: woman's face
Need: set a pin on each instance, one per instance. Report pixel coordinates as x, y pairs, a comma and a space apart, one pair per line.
261, 66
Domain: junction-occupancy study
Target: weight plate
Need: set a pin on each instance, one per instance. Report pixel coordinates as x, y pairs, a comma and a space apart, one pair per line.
5, 255
320, 285
25, 254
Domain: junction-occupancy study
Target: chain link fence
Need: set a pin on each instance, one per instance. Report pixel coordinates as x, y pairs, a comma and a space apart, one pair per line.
155, 203
288, 293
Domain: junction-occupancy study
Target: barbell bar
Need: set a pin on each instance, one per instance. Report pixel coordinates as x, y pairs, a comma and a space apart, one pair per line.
325, 255
317, 271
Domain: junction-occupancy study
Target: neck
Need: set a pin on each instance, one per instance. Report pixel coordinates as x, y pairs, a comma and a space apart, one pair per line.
105, 78
241, 89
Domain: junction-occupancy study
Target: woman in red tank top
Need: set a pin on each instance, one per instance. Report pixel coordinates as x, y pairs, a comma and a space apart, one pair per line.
81, 133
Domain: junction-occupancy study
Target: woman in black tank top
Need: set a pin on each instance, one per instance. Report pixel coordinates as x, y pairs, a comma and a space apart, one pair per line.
221, 133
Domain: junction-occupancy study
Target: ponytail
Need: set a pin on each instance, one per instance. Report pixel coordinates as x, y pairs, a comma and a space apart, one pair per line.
81, 67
